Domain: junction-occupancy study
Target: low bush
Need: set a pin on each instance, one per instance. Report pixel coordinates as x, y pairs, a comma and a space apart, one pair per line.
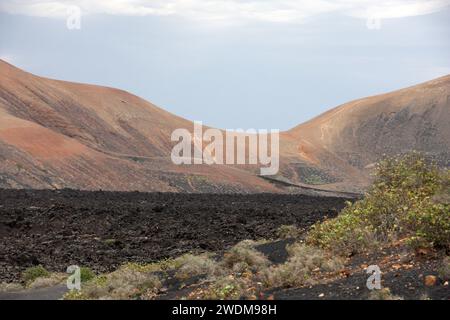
444, 269
288, 232
400, 204
190, 265
86, 274
32, 273
383, 294
125, 283
244, 256
299, 270
225, 288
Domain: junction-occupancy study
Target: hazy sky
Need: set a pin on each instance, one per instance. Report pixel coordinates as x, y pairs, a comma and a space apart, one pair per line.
234, 63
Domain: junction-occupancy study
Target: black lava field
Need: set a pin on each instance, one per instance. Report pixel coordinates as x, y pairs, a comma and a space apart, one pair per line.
103, 230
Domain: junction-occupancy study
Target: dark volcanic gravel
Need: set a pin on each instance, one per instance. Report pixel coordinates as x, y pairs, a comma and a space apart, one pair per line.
102, 230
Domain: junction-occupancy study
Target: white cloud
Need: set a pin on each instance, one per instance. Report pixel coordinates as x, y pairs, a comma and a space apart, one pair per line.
230, 10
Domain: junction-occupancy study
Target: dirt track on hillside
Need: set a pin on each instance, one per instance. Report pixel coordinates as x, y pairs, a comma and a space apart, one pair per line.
103, 230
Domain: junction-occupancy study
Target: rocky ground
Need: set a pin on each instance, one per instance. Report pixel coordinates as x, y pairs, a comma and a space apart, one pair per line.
103, 230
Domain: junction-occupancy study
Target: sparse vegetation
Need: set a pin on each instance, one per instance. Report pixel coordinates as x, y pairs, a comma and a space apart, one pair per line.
444, 270
408, 202
10, 287
32, 273
86, 274
163, 265
125, 283
383, 294
190, 265
400, 204
225, 288
48, 281
288, 232
244, 256
299, 270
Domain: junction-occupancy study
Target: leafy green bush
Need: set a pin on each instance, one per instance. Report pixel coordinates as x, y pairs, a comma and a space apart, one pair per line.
86, 274
32, 273
400, 203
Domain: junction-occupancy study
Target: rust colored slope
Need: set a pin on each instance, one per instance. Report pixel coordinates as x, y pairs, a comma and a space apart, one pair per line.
56, 134
355, 135
103, 118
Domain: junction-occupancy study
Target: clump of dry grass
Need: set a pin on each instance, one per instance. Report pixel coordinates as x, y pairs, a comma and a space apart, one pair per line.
33, 273
444, 270
383, 294
288, 232
190, 265
243, 257
124, 283
228, 287
48, 281
304, 261
10, 287
163, 265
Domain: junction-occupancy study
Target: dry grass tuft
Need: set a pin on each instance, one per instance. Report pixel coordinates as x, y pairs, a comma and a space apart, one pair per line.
289, 232
243, 257
190, 265
125, 283
303, 263
383, 294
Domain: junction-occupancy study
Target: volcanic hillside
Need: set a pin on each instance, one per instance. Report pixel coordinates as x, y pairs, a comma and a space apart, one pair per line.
344, 143
56, 134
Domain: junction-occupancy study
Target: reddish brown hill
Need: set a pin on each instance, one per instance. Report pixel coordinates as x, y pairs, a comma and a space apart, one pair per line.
56, 134
347, 140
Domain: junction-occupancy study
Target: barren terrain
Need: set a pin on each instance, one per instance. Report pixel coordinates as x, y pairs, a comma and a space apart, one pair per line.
103, 230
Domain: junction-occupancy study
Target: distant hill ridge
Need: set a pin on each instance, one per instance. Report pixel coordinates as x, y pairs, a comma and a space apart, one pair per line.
57, 134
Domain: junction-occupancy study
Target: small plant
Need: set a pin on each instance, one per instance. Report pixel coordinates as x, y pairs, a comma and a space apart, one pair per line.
162, 265
190, 265
10, 287
400, 204
245, 256
299, 270
48, 281
383, 294
110, 242
288, 232
444, 270
124, 283
32, 273
86, 274
225, 288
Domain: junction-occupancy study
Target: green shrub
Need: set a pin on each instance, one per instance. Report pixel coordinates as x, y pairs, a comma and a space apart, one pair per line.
86, 274
347, 234
31, 274
400, 204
